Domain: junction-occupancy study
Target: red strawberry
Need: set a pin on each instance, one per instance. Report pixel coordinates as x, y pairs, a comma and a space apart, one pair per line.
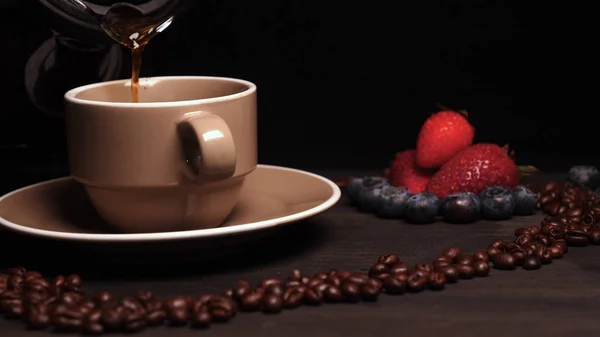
443, 135
405, 172
473, 169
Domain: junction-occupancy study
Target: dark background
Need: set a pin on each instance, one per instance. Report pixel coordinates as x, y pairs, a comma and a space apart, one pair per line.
346, 84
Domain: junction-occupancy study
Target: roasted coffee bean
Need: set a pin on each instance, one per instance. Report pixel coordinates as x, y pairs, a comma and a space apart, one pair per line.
452, 253
69, 317
322, 287
178, 310
482, 268
275, 289
577, 238
500, 244
395, 284
523, 239
544, 240
481, 256
436, 281
451, 273
70, 298
134, 315
343, 274
554, 232
15, 283
443, 258
241, 289
416, 282
464, 259
37, 317
201, 318
56, 286
351, 291
20, 271
295, 275
92, 323
546, 198
545, 256
271, 304
293, 297
315, 282
155, 312
313, 296
370, 292
333, 294
388, 259
11, 304
555, 251
377, 269
521, 231
551, 207
73, 283
423, 268
357, 278
594, 236
562, 244
519, 255
251, 302
551, 186
270, 282
320, 276
493, 251
441, 263
504, 261
465, 271
334, 281
399, 267
532, 262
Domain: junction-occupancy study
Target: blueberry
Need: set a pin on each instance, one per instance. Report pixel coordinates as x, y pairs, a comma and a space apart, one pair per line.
353, 189
392, 202
461, 207
368, 193
525, 200
585, 176
422, 208
497, 203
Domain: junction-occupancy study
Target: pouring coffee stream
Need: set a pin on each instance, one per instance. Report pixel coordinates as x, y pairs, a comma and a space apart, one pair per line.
132, 24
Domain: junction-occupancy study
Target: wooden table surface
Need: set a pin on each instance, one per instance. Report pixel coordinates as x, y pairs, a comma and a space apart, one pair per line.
562, 299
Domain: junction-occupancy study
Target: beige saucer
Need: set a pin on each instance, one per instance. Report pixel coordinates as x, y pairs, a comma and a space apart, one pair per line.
272, 196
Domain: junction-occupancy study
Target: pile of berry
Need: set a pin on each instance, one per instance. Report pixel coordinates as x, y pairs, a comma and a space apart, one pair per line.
449, 176
375, 194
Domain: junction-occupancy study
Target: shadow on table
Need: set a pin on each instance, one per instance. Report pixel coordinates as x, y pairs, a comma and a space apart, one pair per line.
153, 260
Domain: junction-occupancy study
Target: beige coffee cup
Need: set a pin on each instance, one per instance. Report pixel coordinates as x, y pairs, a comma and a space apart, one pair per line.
174, 161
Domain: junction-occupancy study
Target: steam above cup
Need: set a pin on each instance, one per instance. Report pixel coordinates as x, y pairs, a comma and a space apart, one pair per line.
174, 161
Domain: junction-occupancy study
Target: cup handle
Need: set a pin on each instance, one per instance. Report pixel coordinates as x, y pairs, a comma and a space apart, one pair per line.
207, 145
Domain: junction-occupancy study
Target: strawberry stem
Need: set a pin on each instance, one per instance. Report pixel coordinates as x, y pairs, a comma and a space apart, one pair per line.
464, 113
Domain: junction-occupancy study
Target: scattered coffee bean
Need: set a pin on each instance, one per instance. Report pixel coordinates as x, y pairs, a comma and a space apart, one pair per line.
437, 280
465, 271
416, 282
201, 318
504, 261
388, 259
451, 273
532, 262
481, 268
452, 253
293, 297
271, 304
